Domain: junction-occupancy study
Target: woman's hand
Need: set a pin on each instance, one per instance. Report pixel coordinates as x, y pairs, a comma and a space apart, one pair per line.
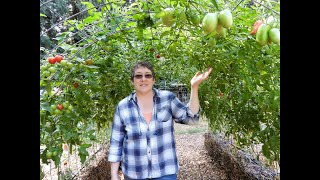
198, 78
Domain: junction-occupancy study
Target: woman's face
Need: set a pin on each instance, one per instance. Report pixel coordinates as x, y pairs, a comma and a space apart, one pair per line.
143, 80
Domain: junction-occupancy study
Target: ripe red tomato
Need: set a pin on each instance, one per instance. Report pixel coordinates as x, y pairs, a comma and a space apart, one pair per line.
60, 107
158, 56
75, 85
52, 60
58, 58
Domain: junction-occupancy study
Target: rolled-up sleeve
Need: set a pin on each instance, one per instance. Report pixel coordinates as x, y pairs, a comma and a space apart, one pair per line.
182, 113
116, 139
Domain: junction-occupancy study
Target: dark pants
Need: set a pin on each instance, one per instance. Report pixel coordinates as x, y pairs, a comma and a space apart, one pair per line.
168, 177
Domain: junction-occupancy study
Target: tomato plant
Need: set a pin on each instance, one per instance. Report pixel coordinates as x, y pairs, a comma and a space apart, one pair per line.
241, 94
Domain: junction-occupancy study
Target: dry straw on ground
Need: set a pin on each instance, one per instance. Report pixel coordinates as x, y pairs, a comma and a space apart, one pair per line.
236, 163
201, 155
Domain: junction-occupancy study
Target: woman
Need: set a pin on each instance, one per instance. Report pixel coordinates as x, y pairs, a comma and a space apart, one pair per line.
142, 136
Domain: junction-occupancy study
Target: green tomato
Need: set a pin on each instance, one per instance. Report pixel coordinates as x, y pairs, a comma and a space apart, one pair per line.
53, 107
60, 112
52, 69
54, 153
195, 19
69, 65
49, 154
57, 111
65, 104
70, 107
63, 62
46, 73
107, 48
43, 68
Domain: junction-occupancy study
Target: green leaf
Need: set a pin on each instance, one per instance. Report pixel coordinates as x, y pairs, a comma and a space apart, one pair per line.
49, 89
266, 150
138, 17
85, 146
263, 72
56, 160
82, 158
215, 3
61, 36
157, 23
80, 26
164, 34
66, 46
90, 7
71, 28
92, 137
131, 24
71, 22
69, 135
89, 19
42, 15
159, 15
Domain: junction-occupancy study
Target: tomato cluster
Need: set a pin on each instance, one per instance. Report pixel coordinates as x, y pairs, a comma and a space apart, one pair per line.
60, 107
57, 58
266, 31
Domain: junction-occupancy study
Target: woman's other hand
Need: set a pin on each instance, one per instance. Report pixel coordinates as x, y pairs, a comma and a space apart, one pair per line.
198, 78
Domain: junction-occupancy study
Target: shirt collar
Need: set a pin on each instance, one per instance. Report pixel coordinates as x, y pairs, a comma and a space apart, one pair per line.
133, 95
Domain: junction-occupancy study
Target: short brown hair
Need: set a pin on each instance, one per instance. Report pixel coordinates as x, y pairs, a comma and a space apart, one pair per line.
139, 64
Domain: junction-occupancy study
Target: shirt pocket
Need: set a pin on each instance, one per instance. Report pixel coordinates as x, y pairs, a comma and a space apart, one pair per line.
164, 114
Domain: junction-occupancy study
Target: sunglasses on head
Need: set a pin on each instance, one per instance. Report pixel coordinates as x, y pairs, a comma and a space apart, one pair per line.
139, 76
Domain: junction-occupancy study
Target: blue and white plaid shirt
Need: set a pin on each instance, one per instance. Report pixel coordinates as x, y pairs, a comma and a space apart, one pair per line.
148, 150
